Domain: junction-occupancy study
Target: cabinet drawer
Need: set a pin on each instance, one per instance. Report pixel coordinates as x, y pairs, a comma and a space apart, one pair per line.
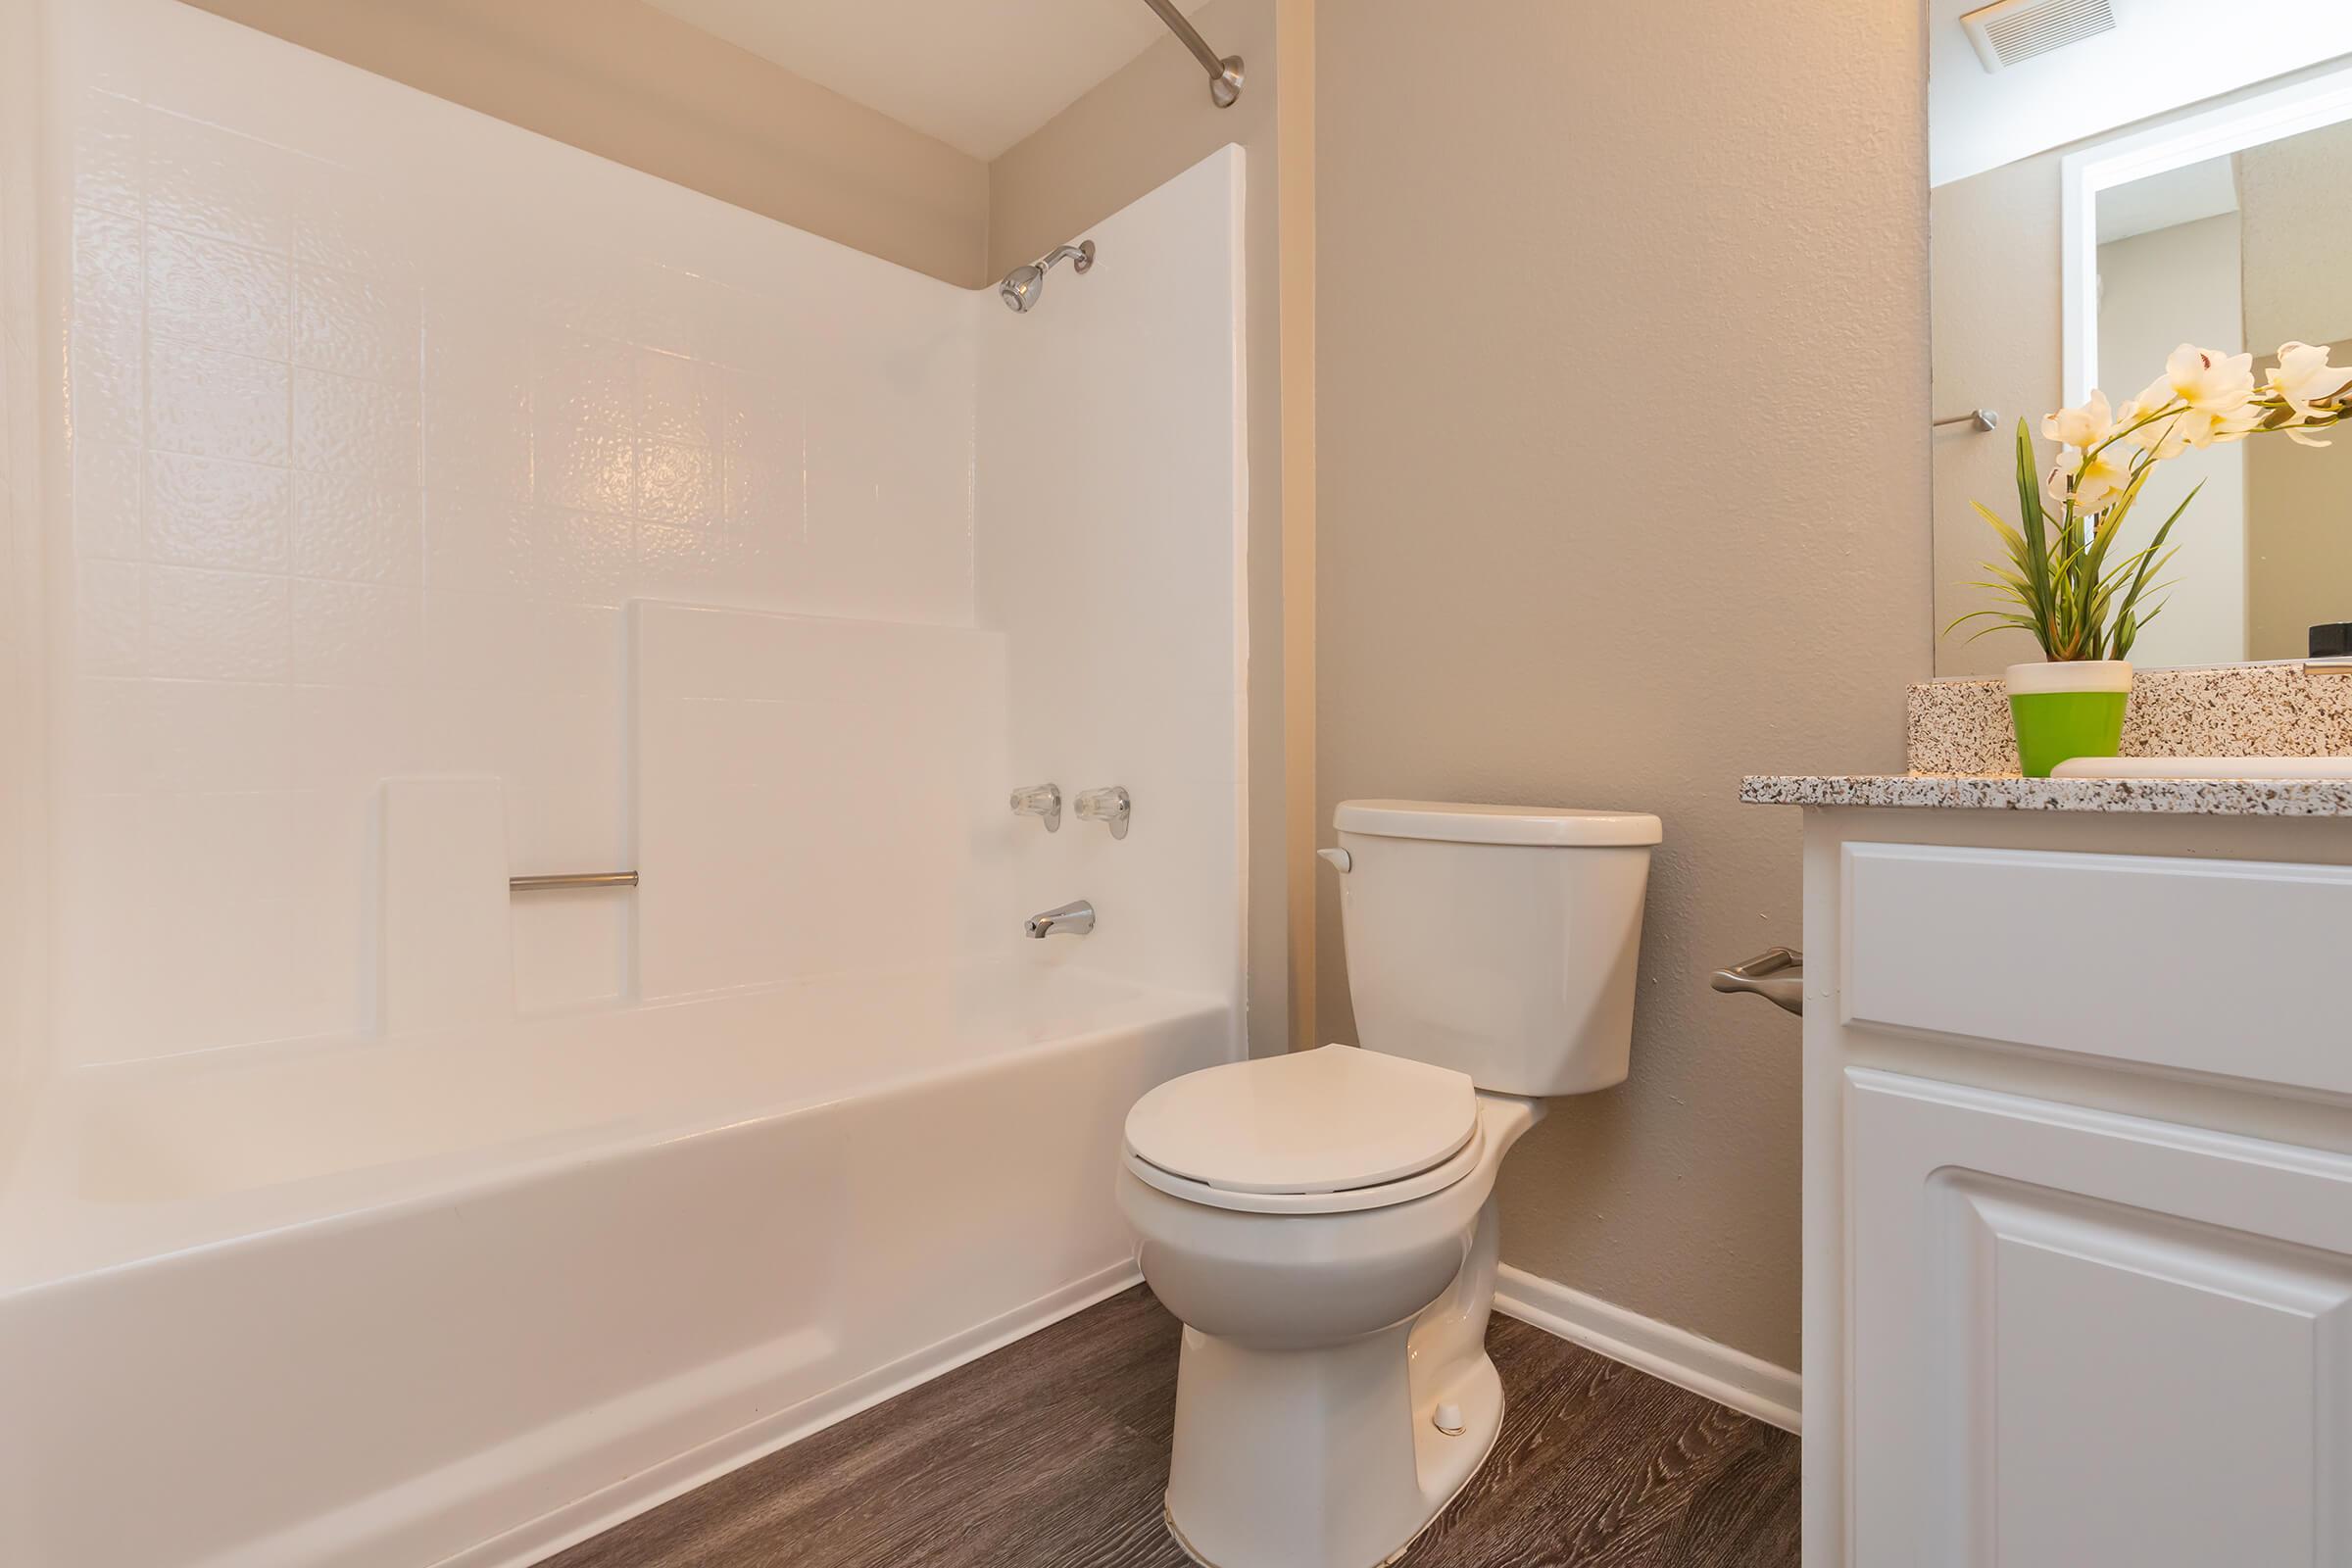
2220, 967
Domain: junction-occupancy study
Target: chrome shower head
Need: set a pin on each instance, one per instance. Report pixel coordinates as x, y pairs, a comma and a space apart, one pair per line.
1021, 285
1024, 284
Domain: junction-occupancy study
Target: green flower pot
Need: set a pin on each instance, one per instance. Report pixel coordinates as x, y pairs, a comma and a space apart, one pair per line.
2066, 709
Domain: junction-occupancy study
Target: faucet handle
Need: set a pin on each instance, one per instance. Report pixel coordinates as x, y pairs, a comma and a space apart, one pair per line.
1111, 805
1041, 801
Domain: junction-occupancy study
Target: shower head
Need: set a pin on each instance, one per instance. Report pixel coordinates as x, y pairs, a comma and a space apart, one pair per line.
1024, 284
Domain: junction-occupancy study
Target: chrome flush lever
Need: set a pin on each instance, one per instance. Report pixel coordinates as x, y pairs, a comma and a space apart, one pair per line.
1111, 805
1040, 801
1777, 974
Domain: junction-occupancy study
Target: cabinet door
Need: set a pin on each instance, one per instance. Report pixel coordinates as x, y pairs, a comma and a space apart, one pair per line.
2080, 1339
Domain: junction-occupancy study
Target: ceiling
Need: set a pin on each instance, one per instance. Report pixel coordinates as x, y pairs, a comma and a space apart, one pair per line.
978, 75
2165, 201
2161, 55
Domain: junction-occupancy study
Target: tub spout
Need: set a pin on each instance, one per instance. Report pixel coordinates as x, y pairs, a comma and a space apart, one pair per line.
1074, 919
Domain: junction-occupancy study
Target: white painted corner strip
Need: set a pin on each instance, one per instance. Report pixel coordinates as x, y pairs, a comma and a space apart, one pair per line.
1746, 1383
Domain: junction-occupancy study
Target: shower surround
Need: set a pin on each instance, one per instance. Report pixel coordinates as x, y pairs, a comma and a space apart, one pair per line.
430, 502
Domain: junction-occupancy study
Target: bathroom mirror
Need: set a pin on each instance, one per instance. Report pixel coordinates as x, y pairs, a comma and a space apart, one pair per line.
2110, 179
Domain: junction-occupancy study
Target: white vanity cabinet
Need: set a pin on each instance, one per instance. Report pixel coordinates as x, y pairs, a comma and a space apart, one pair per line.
2078, 1190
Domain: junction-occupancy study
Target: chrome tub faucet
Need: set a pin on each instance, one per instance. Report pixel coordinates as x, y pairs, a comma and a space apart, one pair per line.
1071, 920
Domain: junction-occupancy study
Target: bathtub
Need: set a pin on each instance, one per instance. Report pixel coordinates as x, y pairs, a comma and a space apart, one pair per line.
465, 1298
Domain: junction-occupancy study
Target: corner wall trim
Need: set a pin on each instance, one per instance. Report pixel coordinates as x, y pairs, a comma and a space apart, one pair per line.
1734, 1378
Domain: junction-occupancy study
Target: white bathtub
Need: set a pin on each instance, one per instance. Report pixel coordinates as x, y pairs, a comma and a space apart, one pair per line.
467, 1298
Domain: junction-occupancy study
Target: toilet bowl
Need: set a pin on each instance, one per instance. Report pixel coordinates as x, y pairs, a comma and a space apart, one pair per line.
1324, 1223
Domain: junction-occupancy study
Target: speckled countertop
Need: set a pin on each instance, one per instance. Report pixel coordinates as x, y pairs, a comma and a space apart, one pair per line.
2000, 792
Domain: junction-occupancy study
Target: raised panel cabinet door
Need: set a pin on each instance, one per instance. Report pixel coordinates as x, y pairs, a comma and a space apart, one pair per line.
2081, 1338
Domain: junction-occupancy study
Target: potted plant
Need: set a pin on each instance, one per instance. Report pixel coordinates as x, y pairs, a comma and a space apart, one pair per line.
2066, 581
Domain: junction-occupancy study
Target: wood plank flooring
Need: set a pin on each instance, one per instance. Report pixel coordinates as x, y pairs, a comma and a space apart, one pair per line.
1053, 1453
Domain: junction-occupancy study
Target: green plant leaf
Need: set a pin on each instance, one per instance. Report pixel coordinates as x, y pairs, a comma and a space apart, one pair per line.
2033, 525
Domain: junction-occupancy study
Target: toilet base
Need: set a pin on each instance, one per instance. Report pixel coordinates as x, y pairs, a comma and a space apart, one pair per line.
1329, 1459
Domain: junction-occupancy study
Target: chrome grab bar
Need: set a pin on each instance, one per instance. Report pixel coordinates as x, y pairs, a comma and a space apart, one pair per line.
571, 879
1777, 974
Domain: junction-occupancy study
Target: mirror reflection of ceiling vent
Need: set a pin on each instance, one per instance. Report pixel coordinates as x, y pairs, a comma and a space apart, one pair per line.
2016, 30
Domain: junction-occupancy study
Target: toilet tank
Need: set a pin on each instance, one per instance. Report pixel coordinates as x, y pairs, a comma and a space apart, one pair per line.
1499, 941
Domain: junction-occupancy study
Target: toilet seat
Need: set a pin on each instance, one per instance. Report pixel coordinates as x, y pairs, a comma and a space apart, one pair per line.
1348, 1200
1319, 1132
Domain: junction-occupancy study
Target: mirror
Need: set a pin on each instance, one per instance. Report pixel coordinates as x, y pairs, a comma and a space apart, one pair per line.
2176, 177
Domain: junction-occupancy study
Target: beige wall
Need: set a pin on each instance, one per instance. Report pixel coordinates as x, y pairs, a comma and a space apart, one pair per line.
2299, 539
2158, 290
634, 84
1624, 493
31, 359
2298, 231
1144, 124
1997, 324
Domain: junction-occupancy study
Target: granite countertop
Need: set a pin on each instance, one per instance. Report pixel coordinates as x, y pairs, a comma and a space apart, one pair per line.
2006, 792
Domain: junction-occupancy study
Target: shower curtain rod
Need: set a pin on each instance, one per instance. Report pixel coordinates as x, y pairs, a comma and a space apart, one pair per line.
1224, 75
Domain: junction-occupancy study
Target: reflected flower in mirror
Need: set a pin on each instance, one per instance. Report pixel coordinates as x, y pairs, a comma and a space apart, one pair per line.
2064, 580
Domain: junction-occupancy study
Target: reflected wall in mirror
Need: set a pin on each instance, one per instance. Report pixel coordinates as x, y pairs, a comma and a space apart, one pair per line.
2179, 176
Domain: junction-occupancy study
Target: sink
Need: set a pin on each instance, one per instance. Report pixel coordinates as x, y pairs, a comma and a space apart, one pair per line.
2205, 767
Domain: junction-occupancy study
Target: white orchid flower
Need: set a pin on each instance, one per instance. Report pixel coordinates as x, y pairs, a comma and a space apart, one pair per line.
2303, 381
2162, 438
2209, 382
2171, 435
2220, 429
2085, 428
2089, 481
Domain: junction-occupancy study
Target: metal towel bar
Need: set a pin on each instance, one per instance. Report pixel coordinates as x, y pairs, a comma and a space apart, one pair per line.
1982, 419
571, 879
1777, 974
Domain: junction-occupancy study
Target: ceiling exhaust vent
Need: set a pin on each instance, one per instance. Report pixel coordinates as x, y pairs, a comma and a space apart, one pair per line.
2014, 31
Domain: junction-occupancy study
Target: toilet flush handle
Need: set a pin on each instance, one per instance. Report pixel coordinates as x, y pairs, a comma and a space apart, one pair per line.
1341, 860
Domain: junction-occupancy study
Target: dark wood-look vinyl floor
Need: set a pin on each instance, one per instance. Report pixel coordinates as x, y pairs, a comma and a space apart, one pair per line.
1053, 1453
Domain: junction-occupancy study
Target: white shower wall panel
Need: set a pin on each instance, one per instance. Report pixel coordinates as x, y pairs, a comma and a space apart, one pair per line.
1112, 516
380, 412
817, 797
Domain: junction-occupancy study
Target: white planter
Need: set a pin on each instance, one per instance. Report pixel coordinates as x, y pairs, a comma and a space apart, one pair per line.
2059, 675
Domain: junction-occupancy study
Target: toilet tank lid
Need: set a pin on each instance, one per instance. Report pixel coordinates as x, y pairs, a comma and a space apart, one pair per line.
1457, 823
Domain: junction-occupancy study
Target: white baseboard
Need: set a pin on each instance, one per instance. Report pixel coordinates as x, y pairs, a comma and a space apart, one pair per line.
1746, 1383
606, 1506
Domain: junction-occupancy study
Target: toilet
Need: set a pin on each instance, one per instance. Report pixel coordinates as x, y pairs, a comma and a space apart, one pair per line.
1324, 1223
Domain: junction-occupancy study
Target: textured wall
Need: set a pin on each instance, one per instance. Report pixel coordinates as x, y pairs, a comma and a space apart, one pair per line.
636, 85
2297, 230
1624, 493
2299, 561
26, 369
1997, 334
2158, 290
